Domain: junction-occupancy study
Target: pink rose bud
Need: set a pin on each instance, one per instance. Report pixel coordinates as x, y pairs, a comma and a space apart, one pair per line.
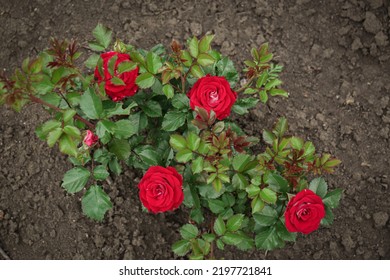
90, 138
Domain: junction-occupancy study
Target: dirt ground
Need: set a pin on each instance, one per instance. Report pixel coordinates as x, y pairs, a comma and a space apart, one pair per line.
336, 55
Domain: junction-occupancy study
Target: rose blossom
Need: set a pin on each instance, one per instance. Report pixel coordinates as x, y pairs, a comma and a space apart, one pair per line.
213, 93
161, 189
117, 92
90, 138
304, 212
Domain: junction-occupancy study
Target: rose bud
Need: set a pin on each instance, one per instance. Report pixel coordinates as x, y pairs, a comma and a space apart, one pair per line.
304, 212
213, 93
90, 138
161, 189
117, 92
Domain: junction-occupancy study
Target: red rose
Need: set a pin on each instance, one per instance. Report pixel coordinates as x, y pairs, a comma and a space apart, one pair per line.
304, 212
117, 92
161, 189
90, 138
213, 93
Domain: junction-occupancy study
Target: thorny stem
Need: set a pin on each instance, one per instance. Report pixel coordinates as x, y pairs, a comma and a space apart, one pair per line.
40, 101
246, 85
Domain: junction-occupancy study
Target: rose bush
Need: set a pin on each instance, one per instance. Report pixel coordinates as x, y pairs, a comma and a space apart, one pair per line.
161, 189
167, 113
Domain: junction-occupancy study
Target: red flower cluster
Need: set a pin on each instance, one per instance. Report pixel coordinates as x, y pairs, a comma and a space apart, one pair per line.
117, 92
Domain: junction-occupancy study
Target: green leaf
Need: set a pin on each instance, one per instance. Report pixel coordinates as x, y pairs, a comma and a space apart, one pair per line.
72, 131
103, 35
296, 143
262, 79
332, 199
189, 231
95, 203
124, 129
120, 148
68, 115
253, 191
180, 101
197, 165
48, 126
181, 247
68, 145
240, 161
319, 186
153, 62
283, 233
268, 196
231, 238
220, 244
117, 81
281, 127
152, 109
92, 61
193, 141
104, 129
197, 71
193, 47
268, 137
278, 92
100, 172
328, 219
53, 136
148, 155
173, 120
239, 181
219, 226
234, 223
197, 215
273, 83
267, 239
186, 58
36, 65
114, 166
216, 206
268, 216
91, 104
178, 142
168, 91
242, 105
276, 182
75, 179
209, 237
263, 96
205, 59
126, 66
257, 205
204, 44
145, 80
225, 68
184, 155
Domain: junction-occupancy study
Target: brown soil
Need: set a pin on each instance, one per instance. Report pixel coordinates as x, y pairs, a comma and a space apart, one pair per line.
337, 69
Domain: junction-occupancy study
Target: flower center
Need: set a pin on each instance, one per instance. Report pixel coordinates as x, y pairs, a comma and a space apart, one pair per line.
159, 190
213, 97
